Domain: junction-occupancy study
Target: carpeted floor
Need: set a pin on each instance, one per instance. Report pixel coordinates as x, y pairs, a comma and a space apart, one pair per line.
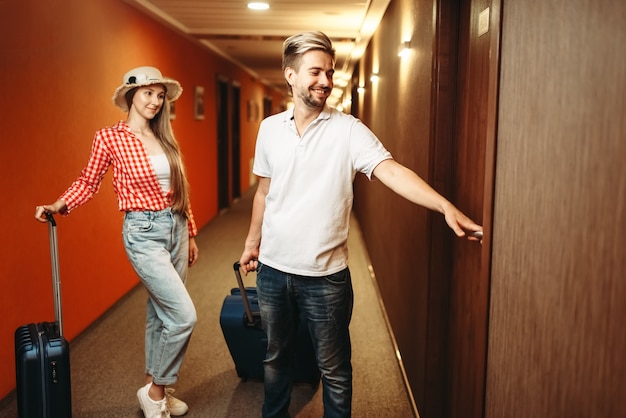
107, 359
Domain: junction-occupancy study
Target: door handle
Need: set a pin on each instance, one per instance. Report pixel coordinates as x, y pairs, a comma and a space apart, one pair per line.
478, 235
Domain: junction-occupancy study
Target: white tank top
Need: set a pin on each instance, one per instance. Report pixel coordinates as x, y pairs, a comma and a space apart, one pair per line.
162, 170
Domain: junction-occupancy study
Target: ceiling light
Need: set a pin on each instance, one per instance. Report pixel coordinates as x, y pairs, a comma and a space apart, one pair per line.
258, 6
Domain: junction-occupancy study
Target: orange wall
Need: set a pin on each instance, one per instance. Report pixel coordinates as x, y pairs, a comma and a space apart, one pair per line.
59, 65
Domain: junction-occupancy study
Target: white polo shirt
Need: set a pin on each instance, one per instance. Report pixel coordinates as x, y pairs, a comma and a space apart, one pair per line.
307, 209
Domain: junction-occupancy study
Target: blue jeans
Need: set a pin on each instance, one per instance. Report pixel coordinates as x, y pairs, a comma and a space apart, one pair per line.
326, 304
157, 245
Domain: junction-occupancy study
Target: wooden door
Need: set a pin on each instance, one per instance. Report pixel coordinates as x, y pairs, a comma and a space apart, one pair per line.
557, 342
235, 152
223, 141
477, 77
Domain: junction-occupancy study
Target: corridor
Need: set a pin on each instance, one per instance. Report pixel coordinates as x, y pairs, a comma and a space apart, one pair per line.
107, 359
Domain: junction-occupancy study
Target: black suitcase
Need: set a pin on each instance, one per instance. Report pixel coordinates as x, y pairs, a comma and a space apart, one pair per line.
241, 325
42, 358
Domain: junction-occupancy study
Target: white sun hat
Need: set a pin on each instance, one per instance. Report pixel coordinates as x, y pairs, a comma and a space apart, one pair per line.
145, 76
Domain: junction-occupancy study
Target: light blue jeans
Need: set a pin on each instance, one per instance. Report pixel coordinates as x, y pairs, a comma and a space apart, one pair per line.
326, 304
157, 245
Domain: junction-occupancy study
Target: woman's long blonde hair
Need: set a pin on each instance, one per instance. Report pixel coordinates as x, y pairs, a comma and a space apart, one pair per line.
162, 129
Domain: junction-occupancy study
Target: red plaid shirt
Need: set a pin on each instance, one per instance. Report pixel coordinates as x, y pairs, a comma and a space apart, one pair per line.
134, 179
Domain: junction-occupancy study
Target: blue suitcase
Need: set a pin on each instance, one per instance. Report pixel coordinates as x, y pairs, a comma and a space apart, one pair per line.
42, 358
241, 325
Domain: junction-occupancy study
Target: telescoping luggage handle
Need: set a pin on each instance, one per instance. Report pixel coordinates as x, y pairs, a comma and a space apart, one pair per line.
244, 295
56, 282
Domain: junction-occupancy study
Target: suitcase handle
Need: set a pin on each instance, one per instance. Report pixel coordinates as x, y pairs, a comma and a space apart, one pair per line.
244, 295
56, 282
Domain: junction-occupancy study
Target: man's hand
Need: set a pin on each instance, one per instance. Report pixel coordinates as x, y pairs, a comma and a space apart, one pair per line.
249, 260
460, 223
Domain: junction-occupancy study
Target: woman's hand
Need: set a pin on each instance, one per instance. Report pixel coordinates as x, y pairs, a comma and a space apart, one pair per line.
193, 251
57, 207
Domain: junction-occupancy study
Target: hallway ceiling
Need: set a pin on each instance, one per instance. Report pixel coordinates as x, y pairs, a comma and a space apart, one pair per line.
253, 39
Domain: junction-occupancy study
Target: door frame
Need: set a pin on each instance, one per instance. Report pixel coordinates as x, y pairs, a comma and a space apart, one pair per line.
477, 75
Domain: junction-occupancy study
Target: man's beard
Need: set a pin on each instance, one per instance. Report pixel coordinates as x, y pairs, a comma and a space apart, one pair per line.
312, 102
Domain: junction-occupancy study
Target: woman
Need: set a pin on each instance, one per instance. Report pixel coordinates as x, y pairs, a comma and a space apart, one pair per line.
159, 229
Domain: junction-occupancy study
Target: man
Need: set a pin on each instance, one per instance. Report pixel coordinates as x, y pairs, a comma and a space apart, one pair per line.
306, 159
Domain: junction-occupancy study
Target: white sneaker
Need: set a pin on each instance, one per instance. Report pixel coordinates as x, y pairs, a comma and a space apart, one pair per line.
176, 406
150, 408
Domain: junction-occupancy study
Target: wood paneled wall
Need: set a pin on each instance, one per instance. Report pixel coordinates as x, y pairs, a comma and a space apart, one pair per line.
558, 297
410, 246
558, 290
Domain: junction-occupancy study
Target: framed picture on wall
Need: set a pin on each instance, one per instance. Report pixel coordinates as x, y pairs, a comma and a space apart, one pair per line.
198, 107
253, 111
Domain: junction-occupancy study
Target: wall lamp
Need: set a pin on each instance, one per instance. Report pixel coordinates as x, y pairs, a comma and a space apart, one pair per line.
374, 77
258, 6
404, 49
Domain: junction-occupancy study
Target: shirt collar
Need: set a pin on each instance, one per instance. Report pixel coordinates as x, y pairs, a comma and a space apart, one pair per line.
122, 126
324, 114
